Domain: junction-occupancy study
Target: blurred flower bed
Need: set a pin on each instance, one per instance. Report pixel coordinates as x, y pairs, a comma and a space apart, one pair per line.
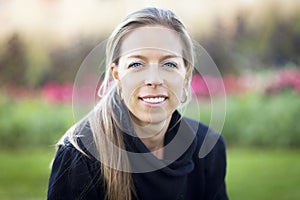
34, 117
264, 83
262, 110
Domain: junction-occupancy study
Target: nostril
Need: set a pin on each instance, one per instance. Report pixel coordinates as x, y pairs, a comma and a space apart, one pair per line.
153, 77
153, 84
154, 81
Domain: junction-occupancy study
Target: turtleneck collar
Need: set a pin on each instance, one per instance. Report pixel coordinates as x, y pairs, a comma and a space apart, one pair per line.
179, 144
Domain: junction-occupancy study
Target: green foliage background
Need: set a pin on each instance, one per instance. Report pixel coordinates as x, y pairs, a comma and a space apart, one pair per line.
251, 120
32, 122
257, 120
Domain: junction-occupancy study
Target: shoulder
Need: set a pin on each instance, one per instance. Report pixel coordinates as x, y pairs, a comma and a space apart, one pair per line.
73, 153
68, 157
73, 174
78, 140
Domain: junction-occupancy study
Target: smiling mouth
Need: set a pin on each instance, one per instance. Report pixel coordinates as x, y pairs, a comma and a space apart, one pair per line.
153, 100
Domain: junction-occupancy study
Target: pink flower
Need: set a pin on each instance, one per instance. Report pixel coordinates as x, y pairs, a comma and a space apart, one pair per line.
286, 78
56, 93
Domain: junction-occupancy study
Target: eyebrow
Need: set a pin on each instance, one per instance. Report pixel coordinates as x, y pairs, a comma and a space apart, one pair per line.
163, 58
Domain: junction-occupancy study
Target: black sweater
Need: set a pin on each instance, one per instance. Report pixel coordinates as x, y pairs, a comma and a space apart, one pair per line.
75, 176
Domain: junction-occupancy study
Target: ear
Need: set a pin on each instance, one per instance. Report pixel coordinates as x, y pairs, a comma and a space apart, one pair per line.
114, 71
188, 72
186, 82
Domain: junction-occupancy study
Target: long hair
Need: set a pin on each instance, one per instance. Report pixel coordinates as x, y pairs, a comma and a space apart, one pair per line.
119, 184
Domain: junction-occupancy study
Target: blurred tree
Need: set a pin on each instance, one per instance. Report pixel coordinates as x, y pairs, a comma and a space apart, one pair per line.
219, 45
276, 39
285, 43
13, 62
273, 42
65, 61
38, 63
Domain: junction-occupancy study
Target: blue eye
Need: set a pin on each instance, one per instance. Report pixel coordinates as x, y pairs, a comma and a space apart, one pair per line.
171, 65
135, 65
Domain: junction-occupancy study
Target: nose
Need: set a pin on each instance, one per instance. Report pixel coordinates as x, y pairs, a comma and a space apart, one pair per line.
153, 77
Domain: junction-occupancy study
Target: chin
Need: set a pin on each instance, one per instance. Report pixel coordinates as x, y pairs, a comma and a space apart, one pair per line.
153, 118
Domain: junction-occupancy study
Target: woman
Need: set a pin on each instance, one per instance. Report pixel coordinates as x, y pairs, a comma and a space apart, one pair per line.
135, 144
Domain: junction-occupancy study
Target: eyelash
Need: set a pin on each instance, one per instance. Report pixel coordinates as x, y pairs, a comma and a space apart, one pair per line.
133, 65
170, 64
138, 65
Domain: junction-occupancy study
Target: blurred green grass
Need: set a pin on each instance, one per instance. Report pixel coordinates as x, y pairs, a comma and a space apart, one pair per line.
261, 174
24, 173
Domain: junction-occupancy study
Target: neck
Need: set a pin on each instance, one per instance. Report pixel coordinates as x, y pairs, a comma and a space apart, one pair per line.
152, 135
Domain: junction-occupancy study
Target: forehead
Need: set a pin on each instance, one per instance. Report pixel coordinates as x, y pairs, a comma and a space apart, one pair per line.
154, 37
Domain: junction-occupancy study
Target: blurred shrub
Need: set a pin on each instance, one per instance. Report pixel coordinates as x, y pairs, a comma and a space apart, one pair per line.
254, 119
251, 119
32, 122
259, 120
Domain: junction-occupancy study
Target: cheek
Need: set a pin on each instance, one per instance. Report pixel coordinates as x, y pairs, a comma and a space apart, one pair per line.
130, 86
176, 84
177, 90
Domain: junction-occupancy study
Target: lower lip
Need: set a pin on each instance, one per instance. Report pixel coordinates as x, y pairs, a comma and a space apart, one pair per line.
153, 104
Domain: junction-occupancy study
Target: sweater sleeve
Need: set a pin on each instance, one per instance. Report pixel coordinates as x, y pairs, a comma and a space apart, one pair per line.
74, 176
215, 170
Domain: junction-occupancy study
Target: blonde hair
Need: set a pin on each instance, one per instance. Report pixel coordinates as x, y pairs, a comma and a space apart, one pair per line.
119, 184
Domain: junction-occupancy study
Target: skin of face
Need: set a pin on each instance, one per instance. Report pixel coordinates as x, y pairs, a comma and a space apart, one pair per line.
151, 74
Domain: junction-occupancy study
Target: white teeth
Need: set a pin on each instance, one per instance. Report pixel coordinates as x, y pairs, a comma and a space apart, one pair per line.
154, 99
